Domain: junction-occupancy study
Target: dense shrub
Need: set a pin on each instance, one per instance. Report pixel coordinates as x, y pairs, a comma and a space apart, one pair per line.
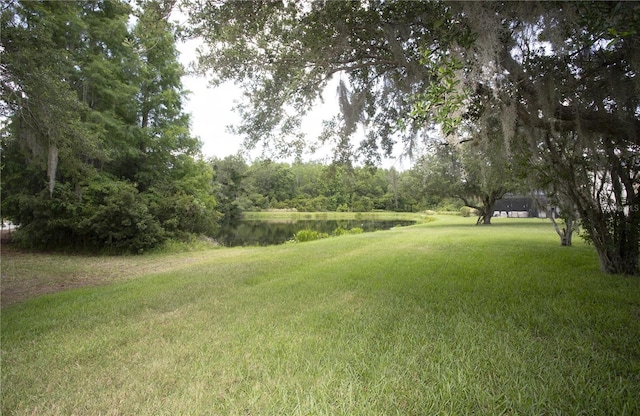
47, 220
116, 216
363, 204
104, 214
342, 231
183, 214
111, 215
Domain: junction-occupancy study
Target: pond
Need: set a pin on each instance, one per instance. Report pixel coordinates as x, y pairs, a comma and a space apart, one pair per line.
269, 232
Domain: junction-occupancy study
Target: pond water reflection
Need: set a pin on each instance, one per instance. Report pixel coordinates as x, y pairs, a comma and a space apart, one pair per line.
257, 232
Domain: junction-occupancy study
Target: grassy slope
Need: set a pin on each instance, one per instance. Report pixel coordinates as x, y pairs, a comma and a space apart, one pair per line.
441, 318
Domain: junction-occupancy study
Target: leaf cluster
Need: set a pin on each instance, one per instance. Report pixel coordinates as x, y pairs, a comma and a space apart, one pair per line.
285, 54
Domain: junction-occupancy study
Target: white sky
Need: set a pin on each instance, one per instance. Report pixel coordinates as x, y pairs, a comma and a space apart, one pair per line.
211, 112
210, 109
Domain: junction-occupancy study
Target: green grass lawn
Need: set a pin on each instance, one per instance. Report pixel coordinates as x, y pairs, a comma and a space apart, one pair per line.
439, 318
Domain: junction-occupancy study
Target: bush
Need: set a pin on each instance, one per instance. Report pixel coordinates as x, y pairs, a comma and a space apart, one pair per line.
364, 204
182, 215
342, 231
308, 235
115, 216
103, 215
46, 221
449, 205
465, 211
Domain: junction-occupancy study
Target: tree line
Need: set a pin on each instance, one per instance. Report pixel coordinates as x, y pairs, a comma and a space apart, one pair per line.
443, 179
266, 184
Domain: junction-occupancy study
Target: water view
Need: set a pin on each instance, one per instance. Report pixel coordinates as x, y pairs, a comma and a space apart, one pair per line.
269, 232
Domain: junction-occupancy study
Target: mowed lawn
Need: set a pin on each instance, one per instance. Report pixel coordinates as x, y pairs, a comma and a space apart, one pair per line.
444, 318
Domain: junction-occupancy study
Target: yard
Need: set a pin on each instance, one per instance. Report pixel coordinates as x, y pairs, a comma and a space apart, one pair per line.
438, 318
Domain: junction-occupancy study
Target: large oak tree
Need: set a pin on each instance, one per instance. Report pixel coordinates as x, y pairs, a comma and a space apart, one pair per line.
562, 78
565, 76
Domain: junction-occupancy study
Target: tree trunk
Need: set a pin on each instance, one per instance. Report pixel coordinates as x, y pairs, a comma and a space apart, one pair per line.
566, 233
618, 247
613, 262
486, 213
485, 216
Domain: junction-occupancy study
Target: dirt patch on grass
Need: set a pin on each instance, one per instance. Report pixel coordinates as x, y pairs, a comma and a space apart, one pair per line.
25, 275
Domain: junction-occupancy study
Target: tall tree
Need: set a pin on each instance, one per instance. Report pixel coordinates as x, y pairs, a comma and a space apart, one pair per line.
55, 66
40, 87
275, 181
566, 80
97, 151
230, 186
477, 175
164, 127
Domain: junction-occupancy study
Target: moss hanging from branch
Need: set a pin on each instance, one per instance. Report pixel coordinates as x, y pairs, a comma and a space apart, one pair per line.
52, 167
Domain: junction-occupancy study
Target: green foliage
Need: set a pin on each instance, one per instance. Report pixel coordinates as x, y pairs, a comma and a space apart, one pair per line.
50, 221
449, 205
465, 211
303, 236
275, 181
102, 215
342, 231
97, 152
342, 208
297, 47
444, 98
312, 235
313, 187
557, 80
116, 216
477, 172
229, 183
363, 204
183, 214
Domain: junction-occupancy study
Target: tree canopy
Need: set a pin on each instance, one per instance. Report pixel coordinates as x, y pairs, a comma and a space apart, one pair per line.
565, 80
560, 79
285, 53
